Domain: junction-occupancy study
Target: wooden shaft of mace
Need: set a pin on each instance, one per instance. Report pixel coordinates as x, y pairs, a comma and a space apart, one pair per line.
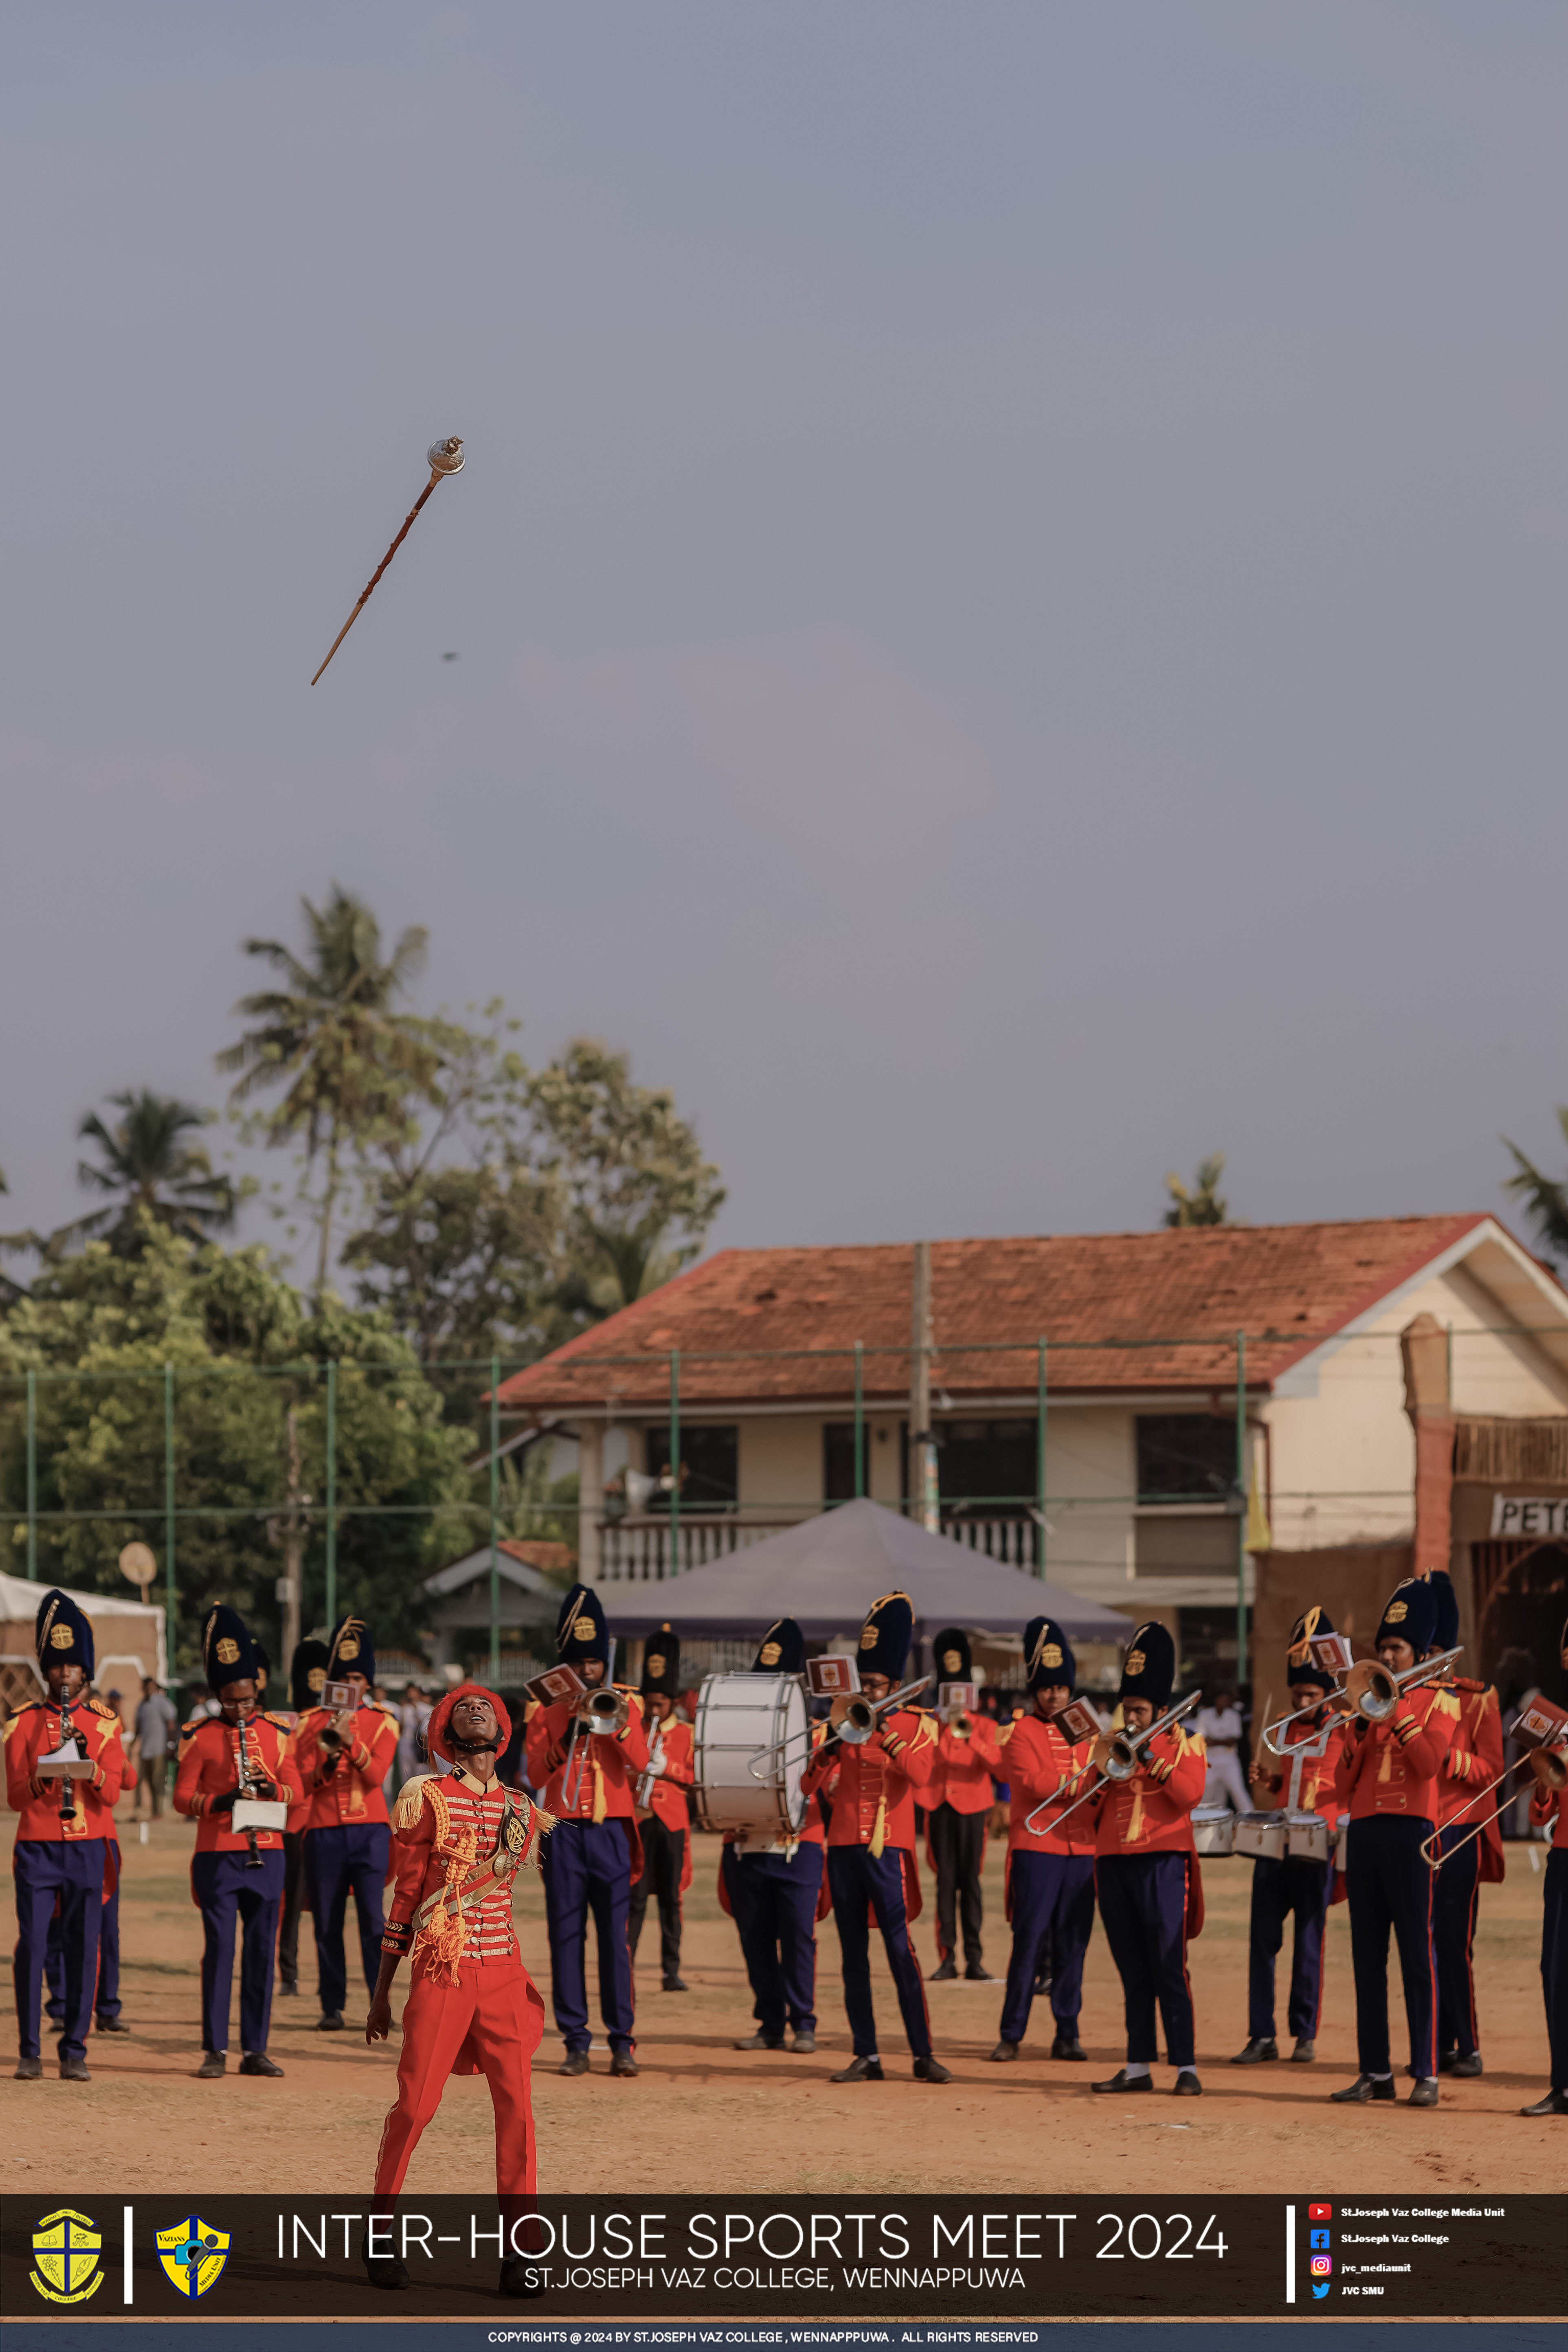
381, 567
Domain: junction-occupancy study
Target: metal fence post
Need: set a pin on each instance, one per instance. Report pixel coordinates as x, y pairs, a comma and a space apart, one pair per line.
32, 1477
859, 1420
675, 1461
1040, 1455
1241, 1485
331, 1494
169, 1637
495, 1519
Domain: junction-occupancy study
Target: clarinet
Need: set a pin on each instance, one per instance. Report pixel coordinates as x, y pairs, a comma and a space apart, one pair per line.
67, 1788
246, 1782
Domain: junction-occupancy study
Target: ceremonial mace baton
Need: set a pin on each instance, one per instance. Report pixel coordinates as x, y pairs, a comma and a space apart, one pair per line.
444, 457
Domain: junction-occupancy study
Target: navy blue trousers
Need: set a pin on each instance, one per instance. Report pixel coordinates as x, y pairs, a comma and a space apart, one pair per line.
228, 1890
339, 1861
1390, 1887
863, 1885
106, 2003
588, 1867
663, 1862
1453, 1900
1143, 1903
1288, 1887
1554, 1963
773, 1899
69, 1871
1052, 1895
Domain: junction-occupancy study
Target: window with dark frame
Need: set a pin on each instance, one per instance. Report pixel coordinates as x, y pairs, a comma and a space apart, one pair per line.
709, 1465
1185, 1457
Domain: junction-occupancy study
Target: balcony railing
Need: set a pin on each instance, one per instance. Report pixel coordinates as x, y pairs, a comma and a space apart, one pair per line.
635, 1551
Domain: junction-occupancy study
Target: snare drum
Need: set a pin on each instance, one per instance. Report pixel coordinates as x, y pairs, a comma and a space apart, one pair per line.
1214, 1828
1307, 1837
1261, 1836
742, 1719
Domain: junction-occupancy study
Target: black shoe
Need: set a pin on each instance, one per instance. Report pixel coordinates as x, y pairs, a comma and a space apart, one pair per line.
574, 2063
1042, 1987
760, 2041
1067, 2045
974, 1974
676, 1984
859, 2069
381, 2270
289, 1986
805, 2044
623, 2063
928, 2070
516, 2273
1125, 2082
257, 2062
945, 1972
1305, 2053
1465, 2070
1363, 2088
1004, 2051
215, 2063
74, 2070
111, 2026
330, 2021
1424, 2094
1257, 2052
1555, 2103
1187, 2085
29, 2069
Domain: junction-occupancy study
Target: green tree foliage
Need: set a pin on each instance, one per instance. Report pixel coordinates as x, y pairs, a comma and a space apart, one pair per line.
1201, 1205
1545, 1197
148, 1172
230, 1326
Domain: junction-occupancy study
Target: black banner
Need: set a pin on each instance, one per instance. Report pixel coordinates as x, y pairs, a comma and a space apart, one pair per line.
774, 2260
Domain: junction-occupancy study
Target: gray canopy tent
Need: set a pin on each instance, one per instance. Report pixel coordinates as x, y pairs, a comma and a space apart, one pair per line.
826, 1572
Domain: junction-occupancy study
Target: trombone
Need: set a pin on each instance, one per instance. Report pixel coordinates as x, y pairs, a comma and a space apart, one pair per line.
1367, 1689
599, 1712
852, 1717
1120, 1762
1550, 1766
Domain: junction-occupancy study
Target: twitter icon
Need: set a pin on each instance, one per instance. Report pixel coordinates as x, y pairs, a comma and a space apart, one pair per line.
1320, 2292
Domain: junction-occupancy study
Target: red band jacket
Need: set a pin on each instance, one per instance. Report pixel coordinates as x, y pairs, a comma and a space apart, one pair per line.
1152, 1813
1303, 1783
1547, 1805
209, 1767
1394, 1766
668, 1794
964, 1767
605, 1766
350, 1792
36, 1730
1474, 1758
1036, 1760
873, 1803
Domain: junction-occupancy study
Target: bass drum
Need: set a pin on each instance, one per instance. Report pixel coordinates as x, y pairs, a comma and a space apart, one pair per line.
741, 1717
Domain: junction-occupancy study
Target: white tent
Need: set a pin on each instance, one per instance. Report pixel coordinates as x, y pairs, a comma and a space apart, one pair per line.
127, 1638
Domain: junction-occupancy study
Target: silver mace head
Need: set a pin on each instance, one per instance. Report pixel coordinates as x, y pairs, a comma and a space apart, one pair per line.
445, 457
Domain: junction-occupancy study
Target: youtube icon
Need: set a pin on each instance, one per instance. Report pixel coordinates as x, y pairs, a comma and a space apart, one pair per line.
1320, 2212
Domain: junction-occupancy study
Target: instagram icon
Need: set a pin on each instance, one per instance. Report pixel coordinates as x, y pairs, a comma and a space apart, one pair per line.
1321, 2265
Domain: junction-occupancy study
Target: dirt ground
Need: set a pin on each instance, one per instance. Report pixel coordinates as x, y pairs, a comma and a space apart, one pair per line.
705, 2117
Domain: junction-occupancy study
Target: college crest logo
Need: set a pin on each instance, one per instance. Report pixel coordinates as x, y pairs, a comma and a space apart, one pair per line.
66, 2248
193, 2254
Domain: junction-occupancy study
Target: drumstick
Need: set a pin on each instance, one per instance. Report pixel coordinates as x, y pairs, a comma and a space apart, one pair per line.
445, 457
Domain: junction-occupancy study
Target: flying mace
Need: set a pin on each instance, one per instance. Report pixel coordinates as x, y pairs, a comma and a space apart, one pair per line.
444, 457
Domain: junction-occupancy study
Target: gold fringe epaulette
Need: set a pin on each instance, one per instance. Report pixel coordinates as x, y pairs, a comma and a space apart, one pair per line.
925, 1728
102, 1706
1446, 1704
410, 1799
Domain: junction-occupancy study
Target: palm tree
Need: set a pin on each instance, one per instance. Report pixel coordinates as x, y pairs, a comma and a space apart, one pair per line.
147, 1167
330, 1036
1547, 1198
1201, 1205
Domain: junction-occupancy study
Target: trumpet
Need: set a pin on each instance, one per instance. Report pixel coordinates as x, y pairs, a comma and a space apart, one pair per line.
959, 1720
599, 1713
1550, 1766
1120, 1760
1371, 1691
853, 1718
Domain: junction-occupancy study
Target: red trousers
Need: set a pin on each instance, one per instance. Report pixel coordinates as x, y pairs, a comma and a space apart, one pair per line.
490, 2023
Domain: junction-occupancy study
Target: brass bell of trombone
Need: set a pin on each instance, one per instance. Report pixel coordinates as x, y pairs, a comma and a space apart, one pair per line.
1373, 1692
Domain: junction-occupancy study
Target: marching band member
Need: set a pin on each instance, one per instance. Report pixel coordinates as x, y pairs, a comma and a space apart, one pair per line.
1050, 1871
870, 1844
1546, 1804
234, 1873
776, 1895
459, 1841
1387, 1775
343, 1760
307, 1674
1474, 1758
64, 1832
595, 1853
664, 1825
1293, 1886
1146, 1876
957, 1802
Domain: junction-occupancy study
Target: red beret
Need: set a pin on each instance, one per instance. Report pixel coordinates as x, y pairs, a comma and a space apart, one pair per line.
441, 1715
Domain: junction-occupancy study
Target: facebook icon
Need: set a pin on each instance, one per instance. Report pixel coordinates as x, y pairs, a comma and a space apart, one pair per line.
1320, 2238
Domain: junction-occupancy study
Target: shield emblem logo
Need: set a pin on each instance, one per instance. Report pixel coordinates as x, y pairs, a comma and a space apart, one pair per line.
193, 2254
66, 2248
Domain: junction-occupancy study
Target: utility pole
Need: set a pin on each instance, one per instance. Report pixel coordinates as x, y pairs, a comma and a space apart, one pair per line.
293, 1534
924, 1491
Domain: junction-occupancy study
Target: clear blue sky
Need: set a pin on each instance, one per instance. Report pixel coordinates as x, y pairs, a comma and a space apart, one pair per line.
1008, 583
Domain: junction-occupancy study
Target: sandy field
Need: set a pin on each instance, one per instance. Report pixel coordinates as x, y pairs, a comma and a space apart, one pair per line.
704, 2118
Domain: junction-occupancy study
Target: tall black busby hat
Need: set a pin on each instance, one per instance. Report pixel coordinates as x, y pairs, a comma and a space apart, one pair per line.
782, 1650
1410, 1615
1313, 1625
885, 1635
62, 1635
306, 1673
350, 1650
1149, 1668
661, 1665
1047, 1654
581, 1630
229, 1653
1446, 1622
950, 1655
